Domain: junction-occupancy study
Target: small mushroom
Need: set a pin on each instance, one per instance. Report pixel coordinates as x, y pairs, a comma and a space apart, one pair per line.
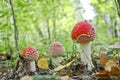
56, 50
83, 32
30, 54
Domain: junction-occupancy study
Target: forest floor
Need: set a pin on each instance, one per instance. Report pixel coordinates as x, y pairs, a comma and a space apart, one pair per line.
106, 67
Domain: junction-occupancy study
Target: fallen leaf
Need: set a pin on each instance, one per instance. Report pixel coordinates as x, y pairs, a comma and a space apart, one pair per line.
115, 46
63, 66
111, 68
63, 62
115, 71
103, 60
80, 68
2, 57
63, 78
117, 56
109, 65
68, 64
59, 67
103, 73
66, 72
26, 78
42, 63
69, 73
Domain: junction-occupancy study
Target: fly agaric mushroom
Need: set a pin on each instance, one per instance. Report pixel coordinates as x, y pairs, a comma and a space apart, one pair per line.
30, 54
56, 50
83, 32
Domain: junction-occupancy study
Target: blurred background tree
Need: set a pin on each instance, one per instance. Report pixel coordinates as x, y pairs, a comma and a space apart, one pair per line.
39, 22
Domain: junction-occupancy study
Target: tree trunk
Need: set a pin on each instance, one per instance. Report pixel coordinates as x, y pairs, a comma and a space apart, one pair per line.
15, 27
117, 2
40, 32
54, 20
115, 29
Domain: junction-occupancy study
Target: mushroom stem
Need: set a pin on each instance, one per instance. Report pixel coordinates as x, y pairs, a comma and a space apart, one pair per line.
86, 55
32, 66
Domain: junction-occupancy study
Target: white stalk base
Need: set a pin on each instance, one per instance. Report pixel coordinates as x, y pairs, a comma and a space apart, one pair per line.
86, 55
57, 60
32, 66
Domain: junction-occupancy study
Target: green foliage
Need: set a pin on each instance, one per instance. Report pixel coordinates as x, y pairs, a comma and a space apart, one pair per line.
44, 77
42, 21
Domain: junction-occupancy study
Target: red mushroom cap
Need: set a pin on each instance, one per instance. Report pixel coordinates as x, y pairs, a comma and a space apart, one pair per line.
56, 49
30, 53
83, 32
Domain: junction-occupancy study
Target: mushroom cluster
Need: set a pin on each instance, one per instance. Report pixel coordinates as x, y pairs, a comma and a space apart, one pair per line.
83, 32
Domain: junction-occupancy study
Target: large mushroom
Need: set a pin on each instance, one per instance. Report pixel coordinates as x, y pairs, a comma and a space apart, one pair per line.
83, 32
30, 54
